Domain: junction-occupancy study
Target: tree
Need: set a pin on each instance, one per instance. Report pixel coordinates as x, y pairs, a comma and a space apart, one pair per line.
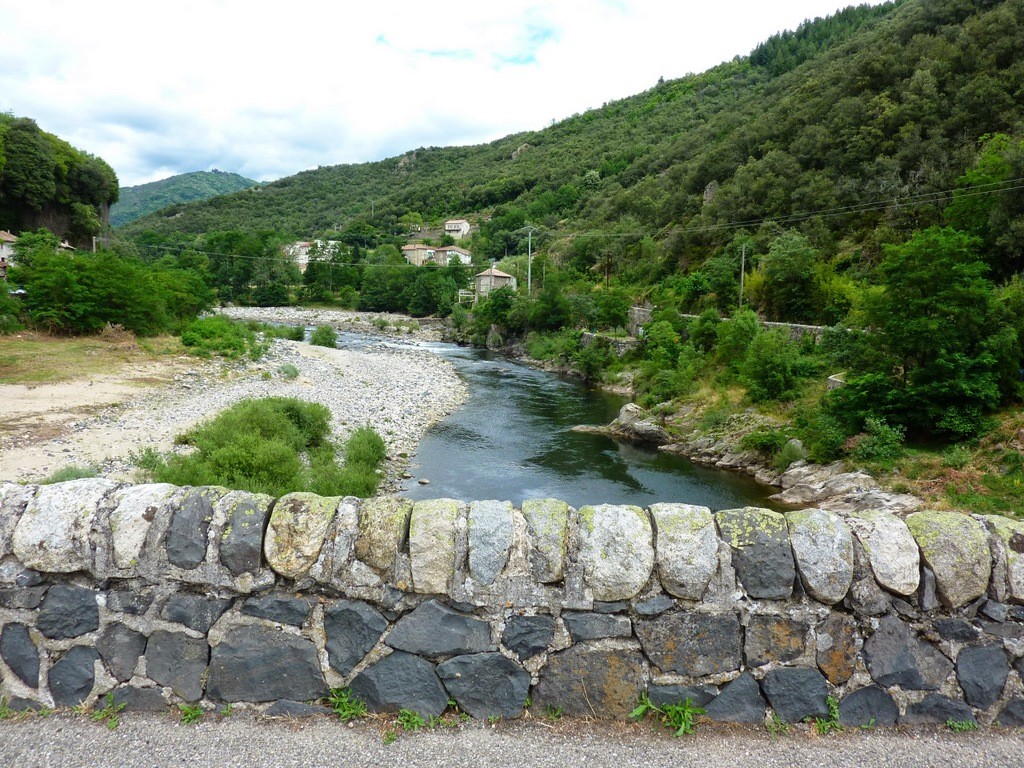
790, 290
943, 336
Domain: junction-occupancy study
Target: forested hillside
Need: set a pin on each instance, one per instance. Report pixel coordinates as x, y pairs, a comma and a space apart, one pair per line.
45, 182
870, 116
184, 188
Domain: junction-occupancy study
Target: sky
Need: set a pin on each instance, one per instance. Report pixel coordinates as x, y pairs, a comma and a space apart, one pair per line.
266, 90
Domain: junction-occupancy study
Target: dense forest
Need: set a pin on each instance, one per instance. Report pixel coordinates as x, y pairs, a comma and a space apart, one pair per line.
45, 182
184, 188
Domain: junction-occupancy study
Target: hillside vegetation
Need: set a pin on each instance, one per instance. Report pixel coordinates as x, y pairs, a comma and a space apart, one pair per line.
46, 182
144, 199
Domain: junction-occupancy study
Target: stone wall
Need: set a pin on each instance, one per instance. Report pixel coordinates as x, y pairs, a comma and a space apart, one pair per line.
164, 595
640, 316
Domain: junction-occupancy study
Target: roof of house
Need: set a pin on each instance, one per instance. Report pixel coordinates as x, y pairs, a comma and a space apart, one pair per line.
7, 237
455, 221
456, 249
417, 247
492, 272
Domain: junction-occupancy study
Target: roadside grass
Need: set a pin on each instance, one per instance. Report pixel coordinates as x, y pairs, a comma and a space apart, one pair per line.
36, 358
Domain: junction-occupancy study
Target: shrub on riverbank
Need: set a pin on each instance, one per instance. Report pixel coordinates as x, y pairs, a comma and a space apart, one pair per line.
275, 446
208, 336
324, 336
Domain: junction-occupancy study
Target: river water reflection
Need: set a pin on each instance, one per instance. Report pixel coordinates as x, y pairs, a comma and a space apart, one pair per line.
512, 440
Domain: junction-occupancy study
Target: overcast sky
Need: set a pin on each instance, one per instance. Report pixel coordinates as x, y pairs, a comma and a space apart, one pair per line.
157, 88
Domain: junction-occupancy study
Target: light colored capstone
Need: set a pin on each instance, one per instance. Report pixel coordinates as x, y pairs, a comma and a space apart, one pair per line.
1011, 534
383, 526
53, 533
823, 549
13, 500
296, 533
686, 548
617, 550
891, 550
955, 547
490, 539
547, 520
432, 544
136, 508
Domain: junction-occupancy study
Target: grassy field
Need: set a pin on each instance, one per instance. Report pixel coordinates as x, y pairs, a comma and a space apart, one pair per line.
33, 358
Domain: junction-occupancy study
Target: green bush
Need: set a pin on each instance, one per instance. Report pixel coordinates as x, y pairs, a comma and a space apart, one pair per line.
766, 442
792, 451
324, 336
274, 446
70, 472
10, 312
288, 371
217, 335
771, 367
881, 443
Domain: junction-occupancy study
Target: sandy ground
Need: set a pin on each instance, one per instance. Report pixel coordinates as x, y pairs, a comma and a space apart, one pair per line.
40, 424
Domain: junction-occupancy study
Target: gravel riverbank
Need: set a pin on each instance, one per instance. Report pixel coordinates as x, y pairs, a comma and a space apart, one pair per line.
398, 392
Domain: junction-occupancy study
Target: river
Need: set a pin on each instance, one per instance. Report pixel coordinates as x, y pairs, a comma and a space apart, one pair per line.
512, 440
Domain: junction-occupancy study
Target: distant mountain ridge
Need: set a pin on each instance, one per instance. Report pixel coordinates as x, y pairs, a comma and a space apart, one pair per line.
144, 199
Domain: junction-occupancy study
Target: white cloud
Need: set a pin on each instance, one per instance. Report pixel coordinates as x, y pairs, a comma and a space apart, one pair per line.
269, 89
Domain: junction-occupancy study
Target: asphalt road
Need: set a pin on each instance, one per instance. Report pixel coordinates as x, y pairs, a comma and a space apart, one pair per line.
66, 741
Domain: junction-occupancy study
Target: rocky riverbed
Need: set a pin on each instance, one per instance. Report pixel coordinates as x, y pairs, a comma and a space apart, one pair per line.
398, 392
372, 323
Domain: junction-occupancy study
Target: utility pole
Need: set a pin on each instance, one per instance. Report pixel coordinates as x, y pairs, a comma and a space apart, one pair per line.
529, 261
743, 266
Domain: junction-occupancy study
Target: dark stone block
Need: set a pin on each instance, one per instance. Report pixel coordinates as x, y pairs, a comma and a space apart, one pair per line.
995, 611
654, 606
591, 683
765, 565
904, 609
693, 644
262, 664
289, 708
527, 636
1019, 666
739, 701
68, 612
796, 694
434, 629
836, 654
938, 709
283, 610
72, 678
401, 681
928, 595
22, 598
895, 657
20, 653
120, 648
596, 626
19, 704
352, 630
140, 699
178, 661
1013, 713
1007, 631
868, 706
194, 611
1017, 613
132, 603
982, 672
957, 630
617, 607
865, 597
486, 684
28, 578
774, 638
190, 526
677, 694
241, 548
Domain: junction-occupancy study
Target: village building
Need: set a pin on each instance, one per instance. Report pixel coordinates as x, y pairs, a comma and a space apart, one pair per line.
7, 241
299, 251
456, 228
491, 280
419, 254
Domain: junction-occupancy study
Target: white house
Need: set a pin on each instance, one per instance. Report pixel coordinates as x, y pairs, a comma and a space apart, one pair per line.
300, 250
457, 228
443, 255
7, 241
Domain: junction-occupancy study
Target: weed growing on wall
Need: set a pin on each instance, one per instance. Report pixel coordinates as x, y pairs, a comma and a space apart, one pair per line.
345, 704
680, 718
110, 714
